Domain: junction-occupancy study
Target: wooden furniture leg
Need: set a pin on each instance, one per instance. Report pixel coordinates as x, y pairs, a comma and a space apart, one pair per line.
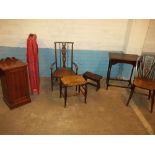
85, 93
152, 100
108, 75
131, 93
65, 96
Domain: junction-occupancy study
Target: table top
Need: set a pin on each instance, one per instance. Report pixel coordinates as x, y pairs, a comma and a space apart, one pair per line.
123, 57
73, 80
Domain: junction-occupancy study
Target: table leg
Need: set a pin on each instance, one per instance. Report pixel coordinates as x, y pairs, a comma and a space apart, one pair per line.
108, 74
131, 76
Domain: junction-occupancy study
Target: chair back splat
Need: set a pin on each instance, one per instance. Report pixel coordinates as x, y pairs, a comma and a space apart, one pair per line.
146, 67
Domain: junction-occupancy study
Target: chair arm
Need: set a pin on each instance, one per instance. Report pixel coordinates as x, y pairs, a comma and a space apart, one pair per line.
76, 67
52, 66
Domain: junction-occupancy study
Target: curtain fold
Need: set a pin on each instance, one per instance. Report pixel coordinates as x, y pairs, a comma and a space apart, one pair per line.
33, 63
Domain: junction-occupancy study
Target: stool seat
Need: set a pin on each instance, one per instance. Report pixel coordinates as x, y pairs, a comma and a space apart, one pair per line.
94, 77
73, 80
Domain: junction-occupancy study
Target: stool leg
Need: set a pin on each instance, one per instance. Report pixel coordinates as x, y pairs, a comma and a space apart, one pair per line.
65, 96
98, 85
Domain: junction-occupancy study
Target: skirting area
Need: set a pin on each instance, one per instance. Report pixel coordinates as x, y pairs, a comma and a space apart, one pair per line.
104, 113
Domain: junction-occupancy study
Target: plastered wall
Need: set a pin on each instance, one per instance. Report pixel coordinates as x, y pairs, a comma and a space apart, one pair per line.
87, 34
136, 34
94, 39
149, 44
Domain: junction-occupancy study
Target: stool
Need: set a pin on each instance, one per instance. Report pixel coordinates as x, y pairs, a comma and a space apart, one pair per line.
94, 77
73, 80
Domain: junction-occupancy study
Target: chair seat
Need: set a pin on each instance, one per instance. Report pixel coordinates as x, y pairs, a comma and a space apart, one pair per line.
61, 72
73, 80
145, 84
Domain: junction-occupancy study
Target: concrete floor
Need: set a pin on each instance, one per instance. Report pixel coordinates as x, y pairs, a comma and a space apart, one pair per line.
104, 113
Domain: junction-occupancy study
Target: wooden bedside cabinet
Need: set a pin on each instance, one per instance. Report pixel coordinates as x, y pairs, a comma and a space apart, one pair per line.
14, 82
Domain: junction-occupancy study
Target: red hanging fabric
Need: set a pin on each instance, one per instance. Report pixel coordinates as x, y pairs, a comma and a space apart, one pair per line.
33, 63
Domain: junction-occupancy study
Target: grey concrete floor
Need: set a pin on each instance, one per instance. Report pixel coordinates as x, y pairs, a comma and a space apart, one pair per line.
104, 114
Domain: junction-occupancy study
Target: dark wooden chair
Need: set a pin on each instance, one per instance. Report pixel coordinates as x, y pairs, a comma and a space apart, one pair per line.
145, 77
75, 80
63, 65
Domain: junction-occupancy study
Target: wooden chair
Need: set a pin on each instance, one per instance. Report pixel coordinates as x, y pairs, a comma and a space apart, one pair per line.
75, 80
145, 77
63, 65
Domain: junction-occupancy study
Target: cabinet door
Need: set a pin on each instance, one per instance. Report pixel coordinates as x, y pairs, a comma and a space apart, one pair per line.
17, 83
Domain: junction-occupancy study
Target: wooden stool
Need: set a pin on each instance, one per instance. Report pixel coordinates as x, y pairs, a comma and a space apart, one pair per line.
73, 80
94, 77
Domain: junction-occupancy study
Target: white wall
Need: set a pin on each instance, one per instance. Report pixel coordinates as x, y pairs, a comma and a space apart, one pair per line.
87, 34
136, 34
149, 44
131, 36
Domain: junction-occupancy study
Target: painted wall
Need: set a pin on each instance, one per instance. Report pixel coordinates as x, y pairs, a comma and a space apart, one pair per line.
137, 30
149, 44
87, 60
93, 40
87, 34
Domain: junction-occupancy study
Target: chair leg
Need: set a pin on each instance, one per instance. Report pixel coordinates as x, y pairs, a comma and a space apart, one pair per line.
131, 93
65, 96
152, 100
60, 89
149, 94
85, 93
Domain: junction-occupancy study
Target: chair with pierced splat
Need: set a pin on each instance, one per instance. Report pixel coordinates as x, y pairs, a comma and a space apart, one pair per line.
63, 65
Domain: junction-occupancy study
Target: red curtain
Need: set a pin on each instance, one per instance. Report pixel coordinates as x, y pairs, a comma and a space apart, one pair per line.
33, 63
